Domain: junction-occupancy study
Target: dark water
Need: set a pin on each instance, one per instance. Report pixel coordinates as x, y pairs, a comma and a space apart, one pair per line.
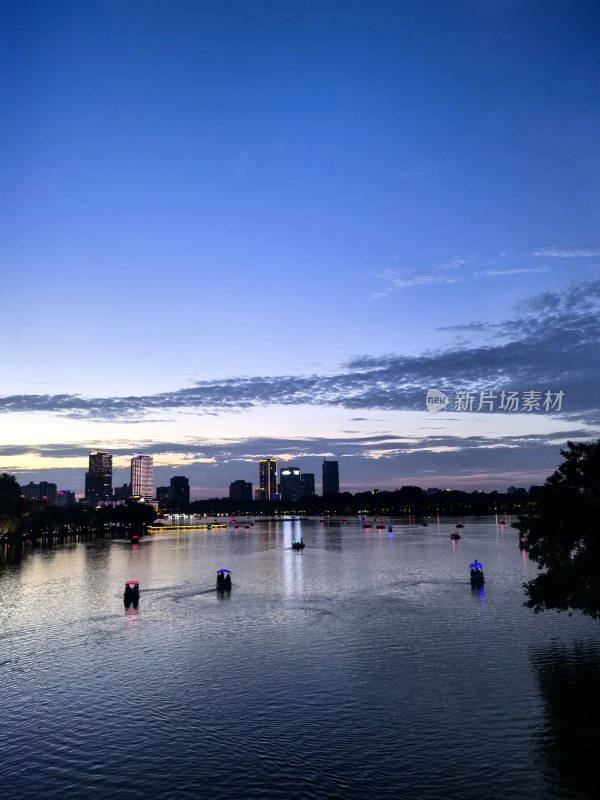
364, 666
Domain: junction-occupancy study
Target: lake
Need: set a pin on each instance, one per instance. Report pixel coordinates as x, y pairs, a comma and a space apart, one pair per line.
365, 665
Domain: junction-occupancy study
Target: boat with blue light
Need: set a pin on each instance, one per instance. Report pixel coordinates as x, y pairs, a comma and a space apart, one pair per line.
476, 569
224, 580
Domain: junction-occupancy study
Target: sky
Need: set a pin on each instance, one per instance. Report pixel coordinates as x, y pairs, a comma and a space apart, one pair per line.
236, 229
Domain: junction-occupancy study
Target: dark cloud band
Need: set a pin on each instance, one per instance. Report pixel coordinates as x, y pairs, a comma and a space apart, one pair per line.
552, 343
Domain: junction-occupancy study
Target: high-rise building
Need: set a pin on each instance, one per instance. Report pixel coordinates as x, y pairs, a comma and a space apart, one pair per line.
268, 477
331, 477
163, 495
307, 483
98, 478
241, 491
142, 477
180, 491
289, 483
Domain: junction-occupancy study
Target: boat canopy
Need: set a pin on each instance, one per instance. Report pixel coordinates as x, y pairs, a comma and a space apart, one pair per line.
219, 571
476, 565
132, 583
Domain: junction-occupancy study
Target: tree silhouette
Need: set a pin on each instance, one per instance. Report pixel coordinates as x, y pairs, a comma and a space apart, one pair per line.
564, 534
12, 505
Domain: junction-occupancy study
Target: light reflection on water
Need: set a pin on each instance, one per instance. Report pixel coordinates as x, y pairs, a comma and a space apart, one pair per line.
363, 665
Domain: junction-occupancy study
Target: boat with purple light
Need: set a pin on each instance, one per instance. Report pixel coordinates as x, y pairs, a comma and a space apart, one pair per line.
224, 580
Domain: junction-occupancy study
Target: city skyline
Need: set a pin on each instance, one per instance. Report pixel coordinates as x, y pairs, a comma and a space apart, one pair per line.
231, 232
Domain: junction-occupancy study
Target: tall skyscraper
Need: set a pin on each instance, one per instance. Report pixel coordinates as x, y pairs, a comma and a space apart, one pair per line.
98, 478
307, 484
268, 476
180, 492
142, 477
331, 477
289, 483
240, 490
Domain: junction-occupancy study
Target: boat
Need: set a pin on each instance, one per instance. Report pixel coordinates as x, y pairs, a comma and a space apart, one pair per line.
523, 542
298, 544
367, 525
380, 526
459, 525
477, 578
131, 596
135, 538
424, 524
455, 536
224, 580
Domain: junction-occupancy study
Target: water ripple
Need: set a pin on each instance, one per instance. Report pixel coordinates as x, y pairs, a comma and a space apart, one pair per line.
364, 668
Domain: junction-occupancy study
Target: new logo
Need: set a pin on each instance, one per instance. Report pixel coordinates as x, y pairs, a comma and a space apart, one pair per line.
436, 400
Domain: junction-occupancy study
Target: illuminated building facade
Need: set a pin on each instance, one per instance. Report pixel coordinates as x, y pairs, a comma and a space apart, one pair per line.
142, 476
289, 483
331, 477
98, 478
268, 477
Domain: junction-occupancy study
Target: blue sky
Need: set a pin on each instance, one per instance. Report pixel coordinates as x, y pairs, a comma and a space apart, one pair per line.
244, 229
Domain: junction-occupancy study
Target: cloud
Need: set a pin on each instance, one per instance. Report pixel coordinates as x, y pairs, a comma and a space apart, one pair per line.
422, 168
444, 272
394, 280
493, 273
552, 342
586, 251
441, 272
238, 163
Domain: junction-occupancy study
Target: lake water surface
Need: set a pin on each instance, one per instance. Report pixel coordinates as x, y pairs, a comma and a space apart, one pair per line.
364, 666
